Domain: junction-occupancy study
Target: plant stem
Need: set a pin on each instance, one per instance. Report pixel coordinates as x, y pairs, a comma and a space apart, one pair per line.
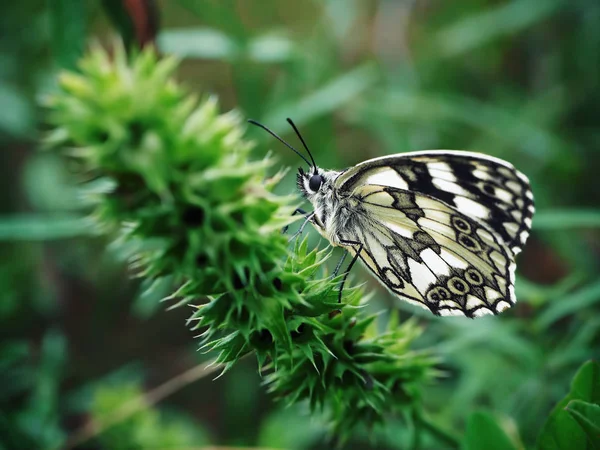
169, 387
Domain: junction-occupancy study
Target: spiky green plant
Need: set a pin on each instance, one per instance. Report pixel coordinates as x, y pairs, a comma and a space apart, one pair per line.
173, 179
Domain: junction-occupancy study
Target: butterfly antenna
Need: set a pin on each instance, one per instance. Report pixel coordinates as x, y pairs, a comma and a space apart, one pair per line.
254, 122
303, 143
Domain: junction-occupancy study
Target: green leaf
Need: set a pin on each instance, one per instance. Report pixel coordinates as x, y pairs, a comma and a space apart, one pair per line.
322, 101
270, 48
483, 431
32, 227
204, 43
210, 43
573, 303
481, 28
68, 18
498, 121
561, 431
587, 416
560, 219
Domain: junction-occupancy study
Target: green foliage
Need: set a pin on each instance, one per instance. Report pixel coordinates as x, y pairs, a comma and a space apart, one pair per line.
587, 417
176, 180
37, 424
516, 79
573, 423
348, 365
69, 23
483, 429
43, 228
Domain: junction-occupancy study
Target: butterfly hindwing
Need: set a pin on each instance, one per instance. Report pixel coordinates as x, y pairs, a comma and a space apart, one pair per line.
429, 253
485, 188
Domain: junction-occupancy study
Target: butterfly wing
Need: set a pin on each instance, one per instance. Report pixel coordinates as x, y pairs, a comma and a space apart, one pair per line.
487, 189
429, 253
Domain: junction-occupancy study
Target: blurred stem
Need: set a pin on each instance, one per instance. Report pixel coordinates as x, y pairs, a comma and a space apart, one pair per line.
416, 435
93, 429
560, 219
43, 227
439, 433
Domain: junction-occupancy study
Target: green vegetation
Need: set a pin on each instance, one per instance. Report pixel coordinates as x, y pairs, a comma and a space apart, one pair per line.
146, 192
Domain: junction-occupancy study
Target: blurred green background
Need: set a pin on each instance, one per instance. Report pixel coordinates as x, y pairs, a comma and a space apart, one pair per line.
519, 80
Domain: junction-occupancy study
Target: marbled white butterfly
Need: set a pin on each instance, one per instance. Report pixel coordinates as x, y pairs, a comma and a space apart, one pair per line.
440, 229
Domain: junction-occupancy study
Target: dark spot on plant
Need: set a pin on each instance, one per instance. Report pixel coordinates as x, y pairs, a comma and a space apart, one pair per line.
368, 379
266, 336
297, 333
201, 260
262, 339
102, 136
349, 346
243, 315
278, 284
348, 379
334, 313
238, 217
193, 216
136, 132
238, 281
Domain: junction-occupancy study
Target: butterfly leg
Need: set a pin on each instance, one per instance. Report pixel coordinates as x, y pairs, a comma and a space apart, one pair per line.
349, 268
296, 212
299, 232
339, 265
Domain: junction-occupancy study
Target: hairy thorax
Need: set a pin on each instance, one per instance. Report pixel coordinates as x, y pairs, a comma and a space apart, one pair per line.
333, 215
334, 211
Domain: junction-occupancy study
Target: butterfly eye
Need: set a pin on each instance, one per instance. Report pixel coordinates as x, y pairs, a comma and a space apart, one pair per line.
315, 182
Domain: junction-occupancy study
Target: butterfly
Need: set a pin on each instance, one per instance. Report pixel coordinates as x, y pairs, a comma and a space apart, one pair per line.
439, 229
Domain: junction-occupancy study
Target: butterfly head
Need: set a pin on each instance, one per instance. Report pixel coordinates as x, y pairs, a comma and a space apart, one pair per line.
310, 182
315, 181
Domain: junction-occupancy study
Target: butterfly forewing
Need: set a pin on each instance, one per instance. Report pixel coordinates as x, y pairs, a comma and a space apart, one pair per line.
484, 188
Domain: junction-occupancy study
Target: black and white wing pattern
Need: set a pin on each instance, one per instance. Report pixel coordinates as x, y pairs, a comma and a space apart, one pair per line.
487, 189
440, 229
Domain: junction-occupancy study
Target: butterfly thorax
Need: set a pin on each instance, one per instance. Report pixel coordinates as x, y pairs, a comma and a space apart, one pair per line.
329, 213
